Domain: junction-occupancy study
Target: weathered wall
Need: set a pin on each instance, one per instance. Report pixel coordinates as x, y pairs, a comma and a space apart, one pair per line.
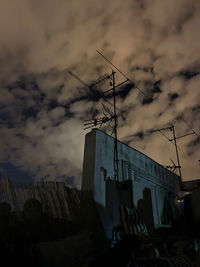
153, 186
8, 194
57, 199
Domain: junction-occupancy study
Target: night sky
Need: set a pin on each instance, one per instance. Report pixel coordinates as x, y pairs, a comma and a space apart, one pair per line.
42, 107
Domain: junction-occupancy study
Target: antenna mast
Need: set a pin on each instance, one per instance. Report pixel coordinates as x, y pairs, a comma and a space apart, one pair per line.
173, 140
115, 127
109, 117
177, 155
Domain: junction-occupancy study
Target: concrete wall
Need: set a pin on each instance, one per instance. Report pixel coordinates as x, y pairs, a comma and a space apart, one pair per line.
8, 194
150, 186
57, 199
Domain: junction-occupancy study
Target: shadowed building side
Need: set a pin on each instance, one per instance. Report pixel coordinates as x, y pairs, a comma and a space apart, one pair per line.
142, 183
8, 194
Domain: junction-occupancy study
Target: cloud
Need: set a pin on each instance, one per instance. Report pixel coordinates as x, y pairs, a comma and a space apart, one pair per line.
42, 107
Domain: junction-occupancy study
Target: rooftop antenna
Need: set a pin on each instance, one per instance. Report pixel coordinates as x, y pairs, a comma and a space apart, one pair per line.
173, 140
173, 168
114, 86
109, 116
116, 165
90, 86
107, 119
127, 79
193, 132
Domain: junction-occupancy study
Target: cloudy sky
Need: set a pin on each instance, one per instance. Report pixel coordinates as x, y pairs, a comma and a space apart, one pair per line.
42, 108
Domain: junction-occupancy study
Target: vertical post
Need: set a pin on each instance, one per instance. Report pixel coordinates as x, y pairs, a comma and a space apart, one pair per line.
115, 128
177, 156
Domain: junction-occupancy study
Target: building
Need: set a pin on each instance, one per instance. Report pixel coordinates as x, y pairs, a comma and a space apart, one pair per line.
7, 193
57, 199
143, 183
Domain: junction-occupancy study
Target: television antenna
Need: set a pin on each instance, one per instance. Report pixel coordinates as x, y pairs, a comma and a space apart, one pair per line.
174, 167
110, 117
106, 123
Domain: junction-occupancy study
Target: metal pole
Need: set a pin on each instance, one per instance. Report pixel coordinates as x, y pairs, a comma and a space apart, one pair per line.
177, 156
115, 128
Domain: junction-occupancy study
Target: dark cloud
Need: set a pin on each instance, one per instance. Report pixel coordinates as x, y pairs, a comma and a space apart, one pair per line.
124, 91
42, 107
189, 74
156, 87
194, 142
17, 176
173, 96
147, 100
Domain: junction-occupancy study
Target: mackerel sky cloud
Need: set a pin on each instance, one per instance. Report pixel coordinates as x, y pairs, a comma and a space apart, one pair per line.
42, 108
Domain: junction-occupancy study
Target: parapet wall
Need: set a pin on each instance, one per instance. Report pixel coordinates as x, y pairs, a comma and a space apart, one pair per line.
153, 185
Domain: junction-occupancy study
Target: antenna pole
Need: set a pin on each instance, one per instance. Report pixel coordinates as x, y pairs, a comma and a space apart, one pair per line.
111, 116
177, 156
115, 127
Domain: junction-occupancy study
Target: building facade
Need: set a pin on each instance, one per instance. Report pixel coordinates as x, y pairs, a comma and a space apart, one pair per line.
142, 183
7, 193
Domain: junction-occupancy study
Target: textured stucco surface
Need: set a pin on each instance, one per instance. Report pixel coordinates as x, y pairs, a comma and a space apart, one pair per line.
152, 186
